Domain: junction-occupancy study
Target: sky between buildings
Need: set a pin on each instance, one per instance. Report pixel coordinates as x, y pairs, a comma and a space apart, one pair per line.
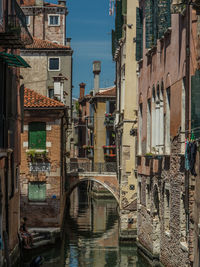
89, 25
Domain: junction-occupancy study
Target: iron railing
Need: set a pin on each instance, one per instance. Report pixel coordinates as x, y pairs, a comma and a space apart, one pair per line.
39, 167
16, 28
91, 167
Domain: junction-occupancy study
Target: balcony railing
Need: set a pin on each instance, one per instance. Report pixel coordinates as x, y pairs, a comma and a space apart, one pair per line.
91, 167
16, 33
39, 167
110, 151
109, 120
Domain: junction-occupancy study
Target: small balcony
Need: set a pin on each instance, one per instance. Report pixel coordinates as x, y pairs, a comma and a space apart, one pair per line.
109, 120
16, 34
110, 151
89, 151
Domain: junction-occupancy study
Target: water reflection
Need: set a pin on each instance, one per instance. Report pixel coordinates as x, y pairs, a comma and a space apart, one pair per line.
90, 237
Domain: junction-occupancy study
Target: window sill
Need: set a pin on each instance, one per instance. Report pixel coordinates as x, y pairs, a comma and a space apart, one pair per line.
37, 203
37, 150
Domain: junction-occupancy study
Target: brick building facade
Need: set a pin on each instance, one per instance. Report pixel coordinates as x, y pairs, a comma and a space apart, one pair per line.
43, 161
166, 227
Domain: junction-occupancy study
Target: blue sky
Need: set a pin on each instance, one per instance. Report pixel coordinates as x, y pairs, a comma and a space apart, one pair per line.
89, 25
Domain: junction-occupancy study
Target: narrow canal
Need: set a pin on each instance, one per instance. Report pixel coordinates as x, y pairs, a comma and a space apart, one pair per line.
90, 237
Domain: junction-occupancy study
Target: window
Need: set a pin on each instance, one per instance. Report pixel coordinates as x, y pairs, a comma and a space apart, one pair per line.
51, 93
167, 122
54, 63
158, 19
149, 125
37, 135
153, 133
54, 20
140, 129
1, 12
139, 34
27, 20
37, 191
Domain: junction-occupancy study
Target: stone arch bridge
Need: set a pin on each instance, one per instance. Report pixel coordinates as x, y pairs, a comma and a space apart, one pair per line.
102, 173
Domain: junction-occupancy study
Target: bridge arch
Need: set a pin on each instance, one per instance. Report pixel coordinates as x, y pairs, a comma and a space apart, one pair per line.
113, 190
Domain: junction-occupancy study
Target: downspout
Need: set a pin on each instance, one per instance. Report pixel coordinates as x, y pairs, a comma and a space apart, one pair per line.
187, 110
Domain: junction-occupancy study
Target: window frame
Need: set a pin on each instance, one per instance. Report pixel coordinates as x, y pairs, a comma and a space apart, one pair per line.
53, 15
28, 24
37, 200
29, 139
49, 64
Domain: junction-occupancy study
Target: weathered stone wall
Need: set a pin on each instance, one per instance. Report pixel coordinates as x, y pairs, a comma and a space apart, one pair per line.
166, 243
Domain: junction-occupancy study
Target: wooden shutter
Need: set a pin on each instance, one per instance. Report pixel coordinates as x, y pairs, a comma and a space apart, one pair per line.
164, 16
37, 191
149, 23
37, 135
195, 106
118, 20
139, 34
155, 21
124, 7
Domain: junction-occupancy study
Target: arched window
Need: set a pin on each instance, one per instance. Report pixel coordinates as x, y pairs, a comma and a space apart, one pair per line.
161, 123
167, 121
153, 120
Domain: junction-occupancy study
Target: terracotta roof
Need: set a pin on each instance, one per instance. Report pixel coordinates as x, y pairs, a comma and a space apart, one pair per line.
32, 3
44, 44
35, 100
109, 92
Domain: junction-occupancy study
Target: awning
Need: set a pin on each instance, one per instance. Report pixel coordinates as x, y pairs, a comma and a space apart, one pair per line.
14, 60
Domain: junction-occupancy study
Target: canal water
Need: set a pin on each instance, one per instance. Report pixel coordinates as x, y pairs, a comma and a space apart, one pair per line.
90, 237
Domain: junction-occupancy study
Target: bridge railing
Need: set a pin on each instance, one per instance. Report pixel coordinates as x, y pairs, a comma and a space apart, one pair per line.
103, 167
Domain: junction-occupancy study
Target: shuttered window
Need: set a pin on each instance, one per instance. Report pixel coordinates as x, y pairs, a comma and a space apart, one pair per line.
139, 34
37, 191
37, 135
118, 20
149, 23
124, 7
195, 107
164, 16
158, 20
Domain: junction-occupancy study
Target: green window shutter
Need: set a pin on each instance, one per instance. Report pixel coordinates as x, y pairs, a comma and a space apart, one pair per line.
195, 106
155, 21
37, 191
164, 16
114, 44
124, 7
37, 135
118, 20
139, 34
149, 15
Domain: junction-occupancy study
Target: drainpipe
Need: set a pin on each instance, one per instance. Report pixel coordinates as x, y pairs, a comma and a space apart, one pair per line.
187, 108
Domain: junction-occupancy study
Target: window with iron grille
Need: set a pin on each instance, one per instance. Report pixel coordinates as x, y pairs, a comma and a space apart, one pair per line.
54, 63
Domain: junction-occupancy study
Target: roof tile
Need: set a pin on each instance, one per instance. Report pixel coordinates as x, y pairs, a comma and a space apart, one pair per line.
44, 44
108, 92
32, 3
35, 100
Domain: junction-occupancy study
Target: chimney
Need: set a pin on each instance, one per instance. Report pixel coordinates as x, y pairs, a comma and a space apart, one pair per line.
58, 82
96, 71
82, 90
62, 2
39, 2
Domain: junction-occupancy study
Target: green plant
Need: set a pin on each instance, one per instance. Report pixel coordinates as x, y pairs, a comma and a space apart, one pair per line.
33, 154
